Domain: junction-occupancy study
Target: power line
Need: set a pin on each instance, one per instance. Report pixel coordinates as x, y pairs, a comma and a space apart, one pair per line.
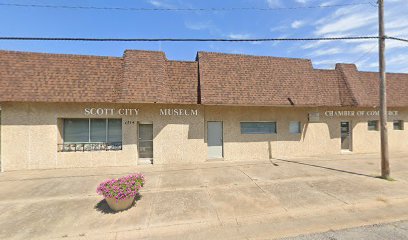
182, 9
194, 39
398, 39
183, 39
365, 54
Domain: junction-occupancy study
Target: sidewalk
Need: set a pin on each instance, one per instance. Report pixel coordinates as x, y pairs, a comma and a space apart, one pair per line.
245, 200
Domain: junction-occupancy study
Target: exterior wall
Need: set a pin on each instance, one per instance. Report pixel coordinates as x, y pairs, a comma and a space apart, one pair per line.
317, 138
239, 146
30, 133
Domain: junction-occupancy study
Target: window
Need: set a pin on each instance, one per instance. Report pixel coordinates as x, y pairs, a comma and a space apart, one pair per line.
91, 134
92, 130
258, 127
373, 125
115, 130
294, 127
76, 130
98, 130
398, 125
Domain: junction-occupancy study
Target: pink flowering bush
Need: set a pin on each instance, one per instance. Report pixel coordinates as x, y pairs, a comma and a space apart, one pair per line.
121, 188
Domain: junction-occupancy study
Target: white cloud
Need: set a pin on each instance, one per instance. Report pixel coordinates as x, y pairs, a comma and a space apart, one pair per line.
393, 44
239, 35
274, 3
347, 23
328, 3
327, 51
198, 25
313, 44
400, 59
207, 26
279, 28
302, 1
365, 48
359, 20
161, 4
297, 24
397, 24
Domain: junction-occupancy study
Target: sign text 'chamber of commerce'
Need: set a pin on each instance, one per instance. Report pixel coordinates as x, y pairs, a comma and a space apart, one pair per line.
357, 113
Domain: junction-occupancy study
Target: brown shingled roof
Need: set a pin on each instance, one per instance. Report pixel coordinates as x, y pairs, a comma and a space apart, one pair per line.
138, 77
248, 80
182, 82
335, 90
213, 79
42, 77
364, 86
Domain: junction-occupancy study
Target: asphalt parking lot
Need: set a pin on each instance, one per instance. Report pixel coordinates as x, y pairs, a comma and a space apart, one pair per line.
389, 231
226, 200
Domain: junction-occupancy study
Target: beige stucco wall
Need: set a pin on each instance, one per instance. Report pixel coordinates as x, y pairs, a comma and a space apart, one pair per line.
30, 134
317, 138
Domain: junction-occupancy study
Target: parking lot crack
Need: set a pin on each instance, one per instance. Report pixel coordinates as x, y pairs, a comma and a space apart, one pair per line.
155, 197
327, 193
252, 180
215, 209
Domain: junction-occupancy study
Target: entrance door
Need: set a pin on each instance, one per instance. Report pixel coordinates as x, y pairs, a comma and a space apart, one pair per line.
345, 136
214, 140
145, 143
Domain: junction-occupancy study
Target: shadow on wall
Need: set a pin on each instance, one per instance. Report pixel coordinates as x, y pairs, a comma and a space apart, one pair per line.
194, 131
195, 128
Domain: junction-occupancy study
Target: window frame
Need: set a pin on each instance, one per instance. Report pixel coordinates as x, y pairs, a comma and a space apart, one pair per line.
376, 125
258, 133
89, 130
299, 124
400, 123
64, 129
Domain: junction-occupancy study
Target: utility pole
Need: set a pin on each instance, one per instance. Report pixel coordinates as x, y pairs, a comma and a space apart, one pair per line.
385, 162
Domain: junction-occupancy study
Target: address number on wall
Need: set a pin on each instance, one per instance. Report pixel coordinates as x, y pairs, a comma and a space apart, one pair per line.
129, 122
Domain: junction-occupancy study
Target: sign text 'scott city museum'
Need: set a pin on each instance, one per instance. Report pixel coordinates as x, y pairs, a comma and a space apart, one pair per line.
63, 111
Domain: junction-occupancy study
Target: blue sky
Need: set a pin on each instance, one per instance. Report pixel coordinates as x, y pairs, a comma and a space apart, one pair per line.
321, 22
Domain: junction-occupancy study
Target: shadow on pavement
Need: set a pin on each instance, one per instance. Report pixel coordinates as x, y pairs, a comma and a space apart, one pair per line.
327, 168
104, 208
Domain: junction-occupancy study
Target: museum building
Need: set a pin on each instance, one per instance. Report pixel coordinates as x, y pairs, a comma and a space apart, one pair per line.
64, 111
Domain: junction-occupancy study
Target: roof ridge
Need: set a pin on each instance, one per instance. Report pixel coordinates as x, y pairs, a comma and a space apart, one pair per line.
348, 82
180, 61
378, 72
58, 54
143, 76
255, 56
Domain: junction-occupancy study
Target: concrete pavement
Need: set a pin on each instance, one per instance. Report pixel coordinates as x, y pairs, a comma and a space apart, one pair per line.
245, 200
